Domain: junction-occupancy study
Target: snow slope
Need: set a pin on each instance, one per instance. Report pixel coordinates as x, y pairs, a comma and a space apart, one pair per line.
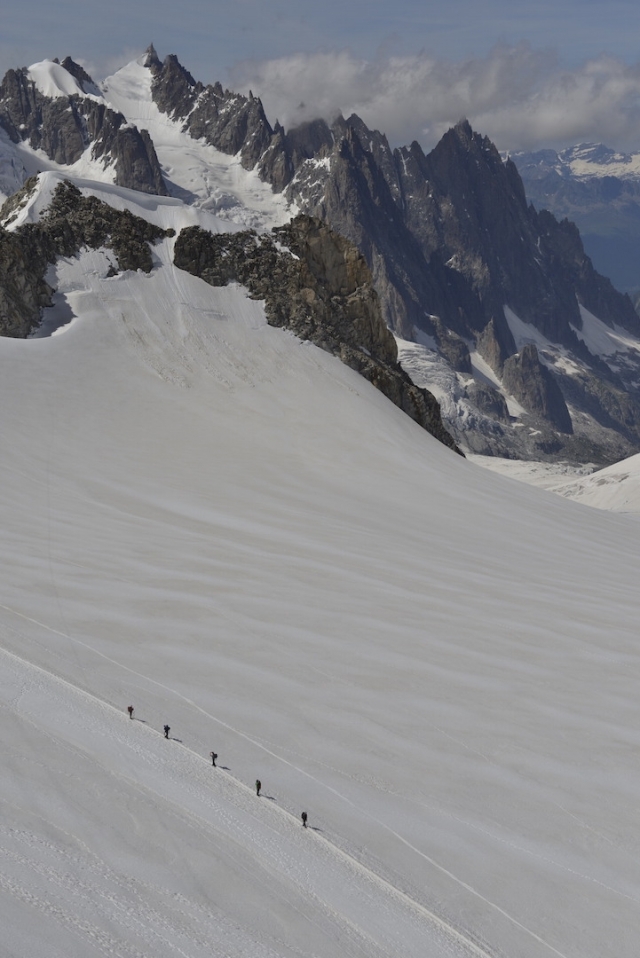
52, 80
616, 488
196, 172
544, 475
234, 532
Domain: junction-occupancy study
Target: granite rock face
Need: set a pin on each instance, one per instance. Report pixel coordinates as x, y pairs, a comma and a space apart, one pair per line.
65, 127
488, 400
451, 242
317, 284
23, 289
228, 121
532, 385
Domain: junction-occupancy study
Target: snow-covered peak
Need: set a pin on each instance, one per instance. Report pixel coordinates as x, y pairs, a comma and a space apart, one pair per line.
584, 161
128, 91
595, 159
194, 171
52, 80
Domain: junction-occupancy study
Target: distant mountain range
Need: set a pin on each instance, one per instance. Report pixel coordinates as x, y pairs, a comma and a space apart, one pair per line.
599, 190
496, 307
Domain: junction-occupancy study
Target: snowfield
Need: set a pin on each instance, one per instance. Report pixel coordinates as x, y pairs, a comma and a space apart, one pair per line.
615, 488
232, 531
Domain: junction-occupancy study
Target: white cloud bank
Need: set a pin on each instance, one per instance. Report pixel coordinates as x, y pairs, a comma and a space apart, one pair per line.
518, 96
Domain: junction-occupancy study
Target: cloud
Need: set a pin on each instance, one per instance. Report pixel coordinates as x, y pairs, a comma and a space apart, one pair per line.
518, 96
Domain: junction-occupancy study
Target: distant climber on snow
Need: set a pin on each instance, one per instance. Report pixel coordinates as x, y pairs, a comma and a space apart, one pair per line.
258, 786
166, 731
214, 756
130, 711
304, 819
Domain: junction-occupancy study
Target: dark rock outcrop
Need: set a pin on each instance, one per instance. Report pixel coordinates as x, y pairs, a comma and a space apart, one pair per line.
488, 400
315, 283
23, 289
81, 76
72, 221
534, 387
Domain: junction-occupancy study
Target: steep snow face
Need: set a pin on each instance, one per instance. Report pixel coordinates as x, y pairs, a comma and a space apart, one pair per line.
602, 340
195, 171
19, 161
235, 533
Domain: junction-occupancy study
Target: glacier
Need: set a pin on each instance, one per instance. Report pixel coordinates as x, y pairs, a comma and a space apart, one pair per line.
231, 530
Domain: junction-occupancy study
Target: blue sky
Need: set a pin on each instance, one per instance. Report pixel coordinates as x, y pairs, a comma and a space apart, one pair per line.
342, 55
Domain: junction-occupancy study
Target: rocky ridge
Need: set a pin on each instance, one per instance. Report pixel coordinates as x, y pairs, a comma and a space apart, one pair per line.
317, 284
71, 222
65, 126
451, 240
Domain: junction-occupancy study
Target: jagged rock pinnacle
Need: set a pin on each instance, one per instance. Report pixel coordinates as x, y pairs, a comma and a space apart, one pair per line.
151, 59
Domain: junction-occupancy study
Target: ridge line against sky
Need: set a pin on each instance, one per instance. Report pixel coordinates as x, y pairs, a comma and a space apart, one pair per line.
528, 76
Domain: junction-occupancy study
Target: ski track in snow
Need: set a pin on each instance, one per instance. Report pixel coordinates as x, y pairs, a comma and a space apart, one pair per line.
212, 801
320, 783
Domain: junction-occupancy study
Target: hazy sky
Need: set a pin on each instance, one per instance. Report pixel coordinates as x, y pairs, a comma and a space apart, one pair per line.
525, 73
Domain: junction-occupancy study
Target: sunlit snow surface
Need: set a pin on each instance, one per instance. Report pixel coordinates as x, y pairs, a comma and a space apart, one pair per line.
52, 80
235, 533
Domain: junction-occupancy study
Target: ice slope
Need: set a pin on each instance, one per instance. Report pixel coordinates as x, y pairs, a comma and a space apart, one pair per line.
164, 211
231, 530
